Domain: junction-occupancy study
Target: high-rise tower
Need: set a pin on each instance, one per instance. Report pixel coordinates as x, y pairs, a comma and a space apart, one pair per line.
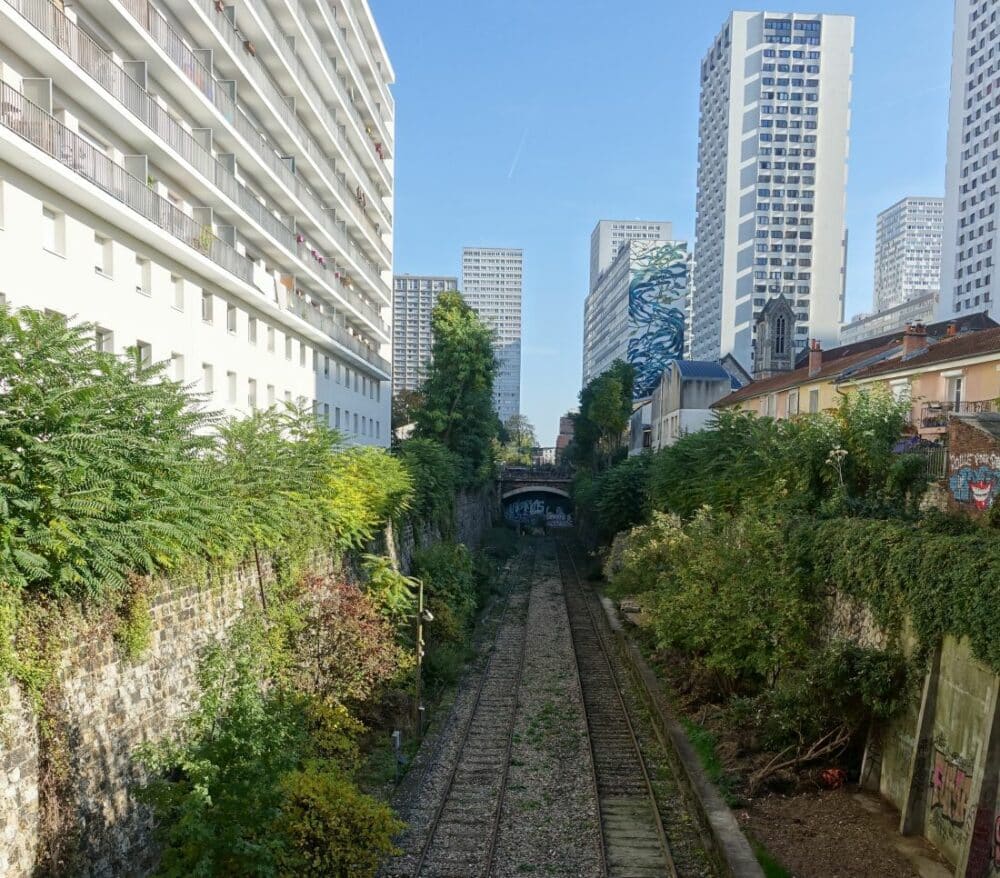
772, 174
491, 284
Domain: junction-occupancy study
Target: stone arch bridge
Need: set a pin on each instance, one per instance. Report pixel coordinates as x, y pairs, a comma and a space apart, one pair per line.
537, 492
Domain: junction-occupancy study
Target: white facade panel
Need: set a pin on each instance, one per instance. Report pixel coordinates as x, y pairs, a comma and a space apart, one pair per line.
157, 181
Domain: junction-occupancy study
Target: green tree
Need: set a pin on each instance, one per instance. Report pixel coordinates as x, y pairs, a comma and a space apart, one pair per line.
405, 405
605, 409
458, 393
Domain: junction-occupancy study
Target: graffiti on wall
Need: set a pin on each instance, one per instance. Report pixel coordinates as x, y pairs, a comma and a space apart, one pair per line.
996, 843
951, 786
975, 479
533, 508
657, 288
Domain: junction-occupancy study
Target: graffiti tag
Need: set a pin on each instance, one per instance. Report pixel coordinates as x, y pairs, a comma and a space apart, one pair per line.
535, 508
977, 486
951, 787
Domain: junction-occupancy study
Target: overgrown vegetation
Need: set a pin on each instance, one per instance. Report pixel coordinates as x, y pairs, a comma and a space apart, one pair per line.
115, 474
605, 409
753, 527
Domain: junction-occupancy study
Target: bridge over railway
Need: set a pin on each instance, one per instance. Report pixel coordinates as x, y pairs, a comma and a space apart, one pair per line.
537, 491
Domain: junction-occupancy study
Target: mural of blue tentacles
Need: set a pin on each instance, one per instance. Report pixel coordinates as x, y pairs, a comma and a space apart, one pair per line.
657, 289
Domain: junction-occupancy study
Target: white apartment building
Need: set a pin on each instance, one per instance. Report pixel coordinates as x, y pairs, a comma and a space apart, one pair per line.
772, 175
637, 311
908, 251
609, 236
895, 319
413, 300
491, 283
968, 269
210, 185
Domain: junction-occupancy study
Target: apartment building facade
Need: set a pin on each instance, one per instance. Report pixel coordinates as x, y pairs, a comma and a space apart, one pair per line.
413, 300
492, 279
211, 186
969, 280
908, 251
772, 174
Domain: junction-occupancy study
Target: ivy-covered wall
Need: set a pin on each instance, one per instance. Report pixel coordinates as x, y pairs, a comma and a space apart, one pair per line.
106, 706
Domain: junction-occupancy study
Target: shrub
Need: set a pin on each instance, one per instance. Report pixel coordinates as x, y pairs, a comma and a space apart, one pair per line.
332, 829
617, 498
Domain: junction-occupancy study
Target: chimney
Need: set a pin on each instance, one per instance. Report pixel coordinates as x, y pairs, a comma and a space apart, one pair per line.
815, 358
914, 340
952, 330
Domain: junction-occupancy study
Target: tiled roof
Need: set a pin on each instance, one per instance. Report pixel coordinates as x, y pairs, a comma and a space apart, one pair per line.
704, 369
958, 347
876, 357
835, 361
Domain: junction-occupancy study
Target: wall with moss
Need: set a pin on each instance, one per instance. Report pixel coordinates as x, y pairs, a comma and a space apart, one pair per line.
71, 793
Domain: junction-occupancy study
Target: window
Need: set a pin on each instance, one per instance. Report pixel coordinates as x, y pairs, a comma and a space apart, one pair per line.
53, 231
178, 286
102, 255
144, 353
326, 367
303, 351
177, 366
336, 422
814, 401
251, 393
288, 347
231, 319
355, 423
231, 387
954, 385
143, 276
206, 306
900, 390
772, 405
252, 330
104, 340
270, 339
207, 378
780, 336
271, 395
326, 413
793, 402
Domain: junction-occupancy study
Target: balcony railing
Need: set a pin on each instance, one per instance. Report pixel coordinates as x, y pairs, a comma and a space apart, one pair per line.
273, 92
95, 61
36, 126
327, 324
936, 414
159, 29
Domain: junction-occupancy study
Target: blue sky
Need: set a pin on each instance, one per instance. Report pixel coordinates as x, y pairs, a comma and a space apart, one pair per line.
522, 123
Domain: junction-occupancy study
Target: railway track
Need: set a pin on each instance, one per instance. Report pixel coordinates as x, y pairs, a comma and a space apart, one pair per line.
633, 841
461, 839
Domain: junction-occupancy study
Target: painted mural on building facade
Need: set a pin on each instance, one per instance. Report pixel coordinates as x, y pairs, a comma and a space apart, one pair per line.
975, 480
657, 289
538, 506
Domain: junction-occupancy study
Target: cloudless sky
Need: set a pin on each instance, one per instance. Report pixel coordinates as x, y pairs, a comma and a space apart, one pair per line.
521, 123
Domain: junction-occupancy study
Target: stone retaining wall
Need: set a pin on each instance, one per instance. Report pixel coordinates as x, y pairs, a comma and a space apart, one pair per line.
108, 706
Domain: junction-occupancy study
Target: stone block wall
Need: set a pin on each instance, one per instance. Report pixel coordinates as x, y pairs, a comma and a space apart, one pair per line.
108, 706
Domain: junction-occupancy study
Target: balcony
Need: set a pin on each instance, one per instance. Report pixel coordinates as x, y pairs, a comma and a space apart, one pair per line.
273, 92
40, 129
934, 415
34, 125
328, 324
218, 94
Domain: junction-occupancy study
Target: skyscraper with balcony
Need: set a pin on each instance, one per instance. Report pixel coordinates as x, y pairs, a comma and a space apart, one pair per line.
413, 300
491, 284
772, 173
969, 280
210, 185
908, 251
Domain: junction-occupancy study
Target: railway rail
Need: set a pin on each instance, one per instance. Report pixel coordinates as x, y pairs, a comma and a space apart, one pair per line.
461, 840
633, 841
